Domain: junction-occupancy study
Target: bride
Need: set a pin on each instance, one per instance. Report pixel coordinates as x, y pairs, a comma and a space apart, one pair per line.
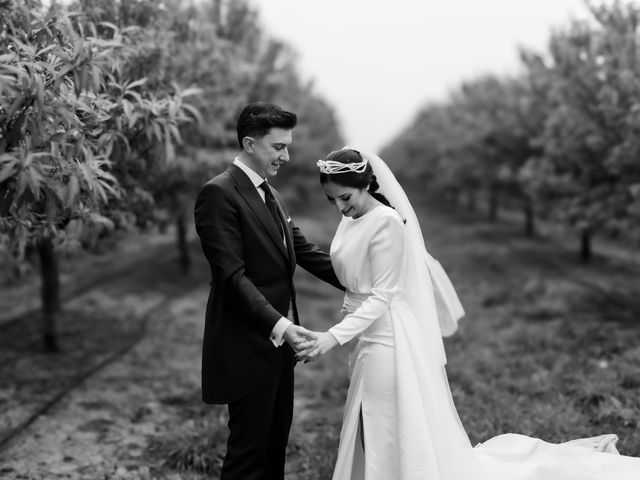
400, 422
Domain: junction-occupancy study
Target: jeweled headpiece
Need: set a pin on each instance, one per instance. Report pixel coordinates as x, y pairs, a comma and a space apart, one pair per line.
332, 167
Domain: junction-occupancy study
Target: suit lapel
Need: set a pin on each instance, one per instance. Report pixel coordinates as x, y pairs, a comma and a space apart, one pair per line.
250, 194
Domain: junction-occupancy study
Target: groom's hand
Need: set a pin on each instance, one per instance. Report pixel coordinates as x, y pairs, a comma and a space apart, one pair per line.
299, 338
325, 342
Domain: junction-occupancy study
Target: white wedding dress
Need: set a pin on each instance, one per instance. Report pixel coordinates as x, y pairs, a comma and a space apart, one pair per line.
399, 404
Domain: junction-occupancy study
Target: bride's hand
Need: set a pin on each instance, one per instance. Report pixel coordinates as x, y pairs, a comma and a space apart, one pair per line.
325, 342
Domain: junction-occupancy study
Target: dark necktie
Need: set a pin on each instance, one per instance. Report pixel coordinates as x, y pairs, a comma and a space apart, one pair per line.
270, 202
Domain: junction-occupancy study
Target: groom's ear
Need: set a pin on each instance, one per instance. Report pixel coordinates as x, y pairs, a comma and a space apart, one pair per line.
248, 143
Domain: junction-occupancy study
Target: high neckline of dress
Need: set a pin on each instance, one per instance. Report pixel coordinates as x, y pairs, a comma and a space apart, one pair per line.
365, 214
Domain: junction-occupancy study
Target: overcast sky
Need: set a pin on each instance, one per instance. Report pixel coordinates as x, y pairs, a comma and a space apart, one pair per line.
378, 61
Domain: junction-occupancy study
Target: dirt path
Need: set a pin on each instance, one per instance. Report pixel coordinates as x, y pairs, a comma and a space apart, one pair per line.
101, 429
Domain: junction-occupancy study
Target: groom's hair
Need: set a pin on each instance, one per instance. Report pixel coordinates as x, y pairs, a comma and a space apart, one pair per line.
256, 119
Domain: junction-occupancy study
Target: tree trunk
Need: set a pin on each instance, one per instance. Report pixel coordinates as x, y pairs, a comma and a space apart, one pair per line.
585, 245
50, 294
529, 225
183, 247
493, 204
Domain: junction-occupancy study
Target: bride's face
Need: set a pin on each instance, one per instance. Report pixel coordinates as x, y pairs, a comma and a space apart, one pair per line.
350, 201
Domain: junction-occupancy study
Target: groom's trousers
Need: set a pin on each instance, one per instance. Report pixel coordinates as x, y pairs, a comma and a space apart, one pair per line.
259, 425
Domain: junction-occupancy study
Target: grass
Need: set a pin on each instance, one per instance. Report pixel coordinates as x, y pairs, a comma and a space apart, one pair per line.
545, 350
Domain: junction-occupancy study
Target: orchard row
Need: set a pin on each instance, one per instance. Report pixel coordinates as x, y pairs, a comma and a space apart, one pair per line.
561, 139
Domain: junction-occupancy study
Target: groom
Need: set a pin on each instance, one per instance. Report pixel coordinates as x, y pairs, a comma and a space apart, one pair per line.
251, 327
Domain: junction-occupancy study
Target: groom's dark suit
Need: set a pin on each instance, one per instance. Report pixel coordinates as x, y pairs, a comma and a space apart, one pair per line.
252, 288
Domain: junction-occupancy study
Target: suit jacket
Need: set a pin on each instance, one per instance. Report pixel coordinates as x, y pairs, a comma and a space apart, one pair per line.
251, 282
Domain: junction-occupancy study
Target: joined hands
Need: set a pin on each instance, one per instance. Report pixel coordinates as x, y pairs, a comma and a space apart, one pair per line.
308, 345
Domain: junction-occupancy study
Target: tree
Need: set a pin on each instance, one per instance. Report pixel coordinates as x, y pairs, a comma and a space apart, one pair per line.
73, 126
562, 135
589, 168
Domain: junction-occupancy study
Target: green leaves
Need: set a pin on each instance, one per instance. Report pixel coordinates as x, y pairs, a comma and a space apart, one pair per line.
8, 166
72, 124
111, 110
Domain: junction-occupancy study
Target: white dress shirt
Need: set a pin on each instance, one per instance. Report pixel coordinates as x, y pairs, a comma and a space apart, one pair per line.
277, 334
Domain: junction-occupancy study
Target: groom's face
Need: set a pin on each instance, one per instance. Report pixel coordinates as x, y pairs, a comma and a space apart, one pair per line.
268, 153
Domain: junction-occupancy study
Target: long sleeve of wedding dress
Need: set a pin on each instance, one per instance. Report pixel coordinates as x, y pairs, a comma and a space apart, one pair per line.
384, 254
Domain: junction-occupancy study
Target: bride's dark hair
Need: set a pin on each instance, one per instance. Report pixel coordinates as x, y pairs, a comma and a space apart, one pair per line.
353, 179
